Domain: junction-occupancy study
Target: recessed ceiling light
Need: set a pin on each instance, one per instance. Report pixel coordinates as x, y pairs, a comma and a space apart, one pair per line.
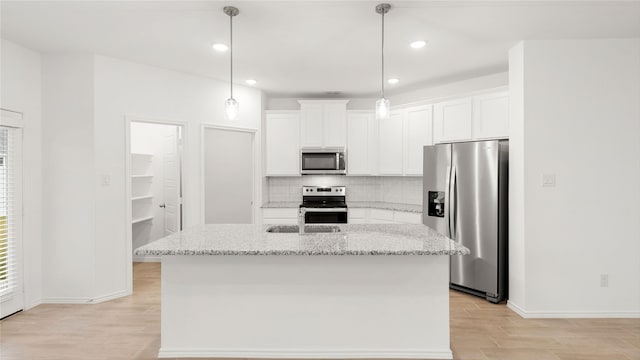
393, 81
418, 44
251, 81
220, 47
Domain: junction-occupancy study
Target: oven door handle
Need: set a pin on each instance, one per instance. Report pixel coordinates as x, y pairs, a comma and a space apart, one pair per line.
311, 210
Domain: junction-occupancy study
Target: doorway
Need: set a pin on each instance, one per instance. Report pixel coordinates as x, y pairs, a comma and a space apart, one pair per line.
11, 276
155, 170
228, 175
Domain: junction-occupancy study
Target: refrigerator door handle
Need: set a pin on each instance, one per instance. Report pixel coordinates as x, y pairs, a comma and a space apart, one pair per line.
453, 202
447, 202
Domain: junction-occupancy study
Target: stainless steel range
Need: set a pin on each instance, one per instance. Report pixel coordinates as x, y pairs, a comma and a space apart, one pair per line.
324, 204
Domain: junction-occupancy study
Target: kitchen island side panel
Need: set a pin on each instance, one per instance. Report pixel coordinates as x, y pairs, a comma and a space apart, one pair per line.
305, 306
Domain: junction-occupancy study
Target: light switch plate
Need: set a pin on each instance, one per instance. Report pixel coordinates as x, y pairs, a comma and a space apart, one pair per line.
549, 180
106, 179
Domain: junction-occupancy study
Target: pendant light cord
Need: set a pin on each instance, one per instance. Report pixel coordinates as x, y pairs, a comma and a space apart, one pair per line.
382, 54
231, 54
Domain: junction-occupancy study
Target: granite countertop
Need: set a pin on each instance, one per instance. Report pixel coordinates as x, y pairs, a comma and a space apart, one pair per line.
369, 239
354, 204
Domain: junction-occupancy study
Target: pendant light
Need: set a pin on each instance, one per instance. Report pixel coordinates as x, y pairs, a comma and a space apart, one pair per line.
382, 105
231, 107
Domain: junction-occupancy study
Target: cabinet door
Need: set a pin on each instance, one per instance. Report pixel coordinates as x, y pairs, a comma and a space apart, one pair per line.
390, 148
282, 144
312, 126
360, 151
491, 116
335, 124
452, 121
418, 133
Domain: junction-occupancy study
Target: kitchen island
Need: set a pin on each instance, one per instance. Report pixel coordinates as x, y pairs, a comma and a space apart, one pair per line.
365, 291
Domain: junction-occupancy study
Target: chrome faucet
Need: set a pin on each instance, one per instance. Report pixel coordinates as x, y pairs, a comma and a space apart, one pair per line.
301, 217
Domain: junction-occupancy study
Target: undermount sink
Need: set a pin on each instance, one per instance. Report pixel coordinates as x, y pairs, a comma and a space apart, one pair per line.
310, 229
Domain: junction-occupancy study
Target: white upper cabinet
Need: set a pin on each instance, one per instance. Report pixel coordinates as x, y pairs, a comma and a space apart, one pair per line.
361, 143
390, 144
472, 118
323, 123
452, 121
418, 122
312, 124
282, 143
491, 116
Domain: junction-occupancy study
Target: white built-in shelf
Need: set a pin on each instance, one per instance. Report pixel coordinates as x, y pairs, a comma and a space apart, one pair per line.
141, 176
141, 155
142, 197
135, 221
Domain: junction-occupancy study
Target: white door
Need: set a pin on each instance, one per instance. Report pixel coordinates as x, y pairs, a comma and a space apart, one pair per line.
359, 143
418, 125
491, 116
390, 150
228, 176
172, 183
283, 144
11, 290
452, 121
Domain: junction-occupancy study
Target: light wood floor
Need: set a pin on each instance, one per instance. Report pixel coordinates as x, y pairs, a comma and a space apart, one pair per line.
129, 328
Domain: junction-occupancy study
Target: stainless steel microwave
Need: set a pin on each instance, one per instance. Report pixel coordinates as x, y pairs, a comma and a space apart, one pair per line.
319, 161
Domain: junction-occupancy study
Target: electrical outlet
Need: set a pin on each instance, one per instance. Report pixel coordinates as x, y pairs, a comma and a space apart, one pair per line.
549, 180
604, 280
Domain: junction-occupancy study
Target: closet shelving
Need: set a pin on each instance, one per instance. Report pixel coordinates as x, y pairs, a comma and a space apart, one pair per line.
141, 181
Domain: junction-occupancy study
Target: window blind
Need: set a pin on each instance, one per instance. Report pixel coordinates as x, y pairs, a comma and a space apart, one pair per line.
10, 212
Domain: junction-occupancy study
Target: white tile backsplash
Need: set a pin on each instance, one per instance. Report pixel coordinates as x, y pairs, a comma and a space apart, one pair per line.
404, 190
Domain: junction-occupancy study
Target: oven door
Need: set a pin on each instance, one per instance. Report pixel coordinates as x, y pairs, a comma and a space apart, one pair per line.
325, 216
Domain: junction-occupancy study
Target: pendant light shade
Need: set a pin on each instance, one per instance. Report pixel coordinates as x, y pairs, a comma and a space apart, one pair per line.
383, 107
231, 106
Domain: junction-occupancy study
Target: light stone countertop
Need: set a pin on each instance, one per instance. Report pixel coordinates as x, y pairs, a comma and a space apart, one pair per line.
369, 239
353, 204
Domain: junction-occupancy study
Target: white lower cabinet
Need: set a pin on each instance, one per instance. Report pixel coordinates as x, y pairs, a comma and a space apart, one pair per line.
356, 216
280, 216
383, 216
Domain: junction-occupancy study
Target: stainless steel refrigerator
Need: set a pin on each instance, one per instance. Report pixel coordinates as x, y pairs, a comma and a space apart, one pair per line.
465, 191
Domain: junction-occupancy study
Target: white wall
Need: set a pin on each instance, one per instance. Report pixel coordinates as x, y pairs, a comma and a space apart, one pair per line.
69, 200
578, 104
86, 101
124, 88
453, 89
21, 89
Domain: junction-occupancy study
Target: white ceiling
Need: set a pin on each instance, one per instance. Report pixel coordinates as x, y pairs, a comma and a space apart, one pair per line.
308, 48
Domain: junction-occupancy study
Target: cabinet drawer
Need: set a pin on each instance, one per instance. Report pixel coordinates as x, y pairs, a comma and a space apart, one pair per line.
280, 213
379, 214
357, 213
408, 217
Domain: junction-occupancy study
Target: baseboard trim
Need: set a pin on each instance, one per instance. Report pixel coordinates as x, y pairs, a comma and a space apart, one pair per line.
572, 314
83, 300
304, 354
146, 258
